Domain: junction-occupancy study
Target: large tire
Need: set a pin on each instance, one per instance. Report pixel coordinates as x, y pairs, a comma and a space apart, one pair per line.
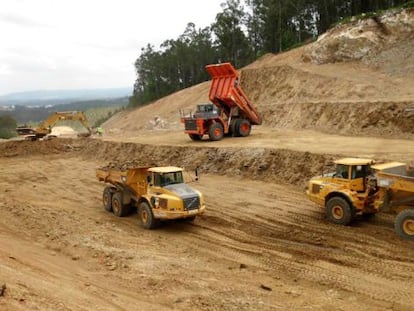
146, 216
216, 132
107, 199
339, 211
243, 128
195, 137
404, 224
118, 207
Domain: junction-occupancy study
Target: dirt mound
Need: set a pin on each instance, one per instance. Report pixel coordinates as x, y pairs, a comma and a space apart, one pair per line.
63, 131
40, 147
166, 109
366, 95
286, 166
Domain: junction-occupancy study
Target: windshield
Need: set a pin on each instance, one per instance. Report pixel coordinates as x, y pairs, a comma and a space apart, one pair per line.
206, 108
360, 171
342, 171
164, 179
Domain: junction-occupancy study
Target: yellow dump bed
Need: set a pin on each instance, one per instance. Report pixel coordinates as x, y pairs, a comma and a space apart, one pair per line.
395, 176
133, 178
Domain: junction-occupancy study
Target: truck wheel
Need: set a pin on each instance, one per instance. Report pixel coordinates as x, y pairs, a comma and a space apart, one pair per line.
195, 137
243, 127
216, 132
107, 199
404, 225
118, 207
146, 216
338, 211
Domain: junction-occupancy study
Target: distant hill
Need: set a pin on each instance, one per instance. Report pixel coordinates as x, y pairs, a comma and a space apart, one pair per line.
25, 114
56, 97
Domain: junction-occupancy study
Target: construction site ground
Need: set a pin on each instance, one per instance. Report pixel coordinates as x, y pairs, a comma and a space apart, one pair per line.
261, 245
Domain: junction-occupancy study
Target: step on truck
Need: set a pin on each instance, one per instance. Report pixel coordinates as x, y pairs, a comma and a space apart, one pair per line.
156, 193
361, 187
230, 111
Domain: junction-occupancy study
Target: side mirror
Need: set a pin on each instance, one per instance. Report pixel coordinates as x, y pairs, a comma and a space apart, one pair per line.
148, 179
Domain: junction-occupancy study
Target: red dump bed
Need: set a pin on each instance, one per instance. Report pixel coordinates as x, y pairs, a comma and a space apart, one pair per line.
226, 91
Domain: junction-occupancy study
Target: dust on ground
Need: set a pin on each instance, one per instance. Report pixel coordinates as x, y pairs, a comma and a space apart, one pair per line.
261, 245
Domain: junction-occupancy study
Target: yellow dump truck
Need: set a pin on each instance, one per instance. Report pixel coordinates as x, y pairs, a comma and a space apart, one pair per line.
158, 193
359, 187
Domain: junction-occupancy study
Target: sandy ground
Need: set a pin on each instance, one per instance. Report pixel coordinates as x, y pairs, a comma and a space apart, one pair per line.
298, 140
260, 246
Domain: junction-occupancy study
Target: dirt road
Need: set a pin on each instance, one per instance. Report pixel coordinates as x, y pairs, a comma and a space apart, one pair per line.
297, 140
260, 246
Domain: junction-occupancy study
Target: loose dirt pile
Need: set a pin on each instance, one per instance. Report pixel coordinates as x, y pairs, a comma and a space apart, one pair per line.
45, 147
63, 131
283, 166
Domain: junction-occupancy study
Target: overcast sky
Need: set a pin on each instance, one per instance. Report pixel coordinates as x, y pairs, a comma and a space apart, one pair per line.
67, 44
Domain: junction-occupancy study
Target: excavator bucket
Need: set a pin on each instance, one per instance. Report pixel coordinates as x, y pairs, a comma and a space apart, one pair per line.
225, 90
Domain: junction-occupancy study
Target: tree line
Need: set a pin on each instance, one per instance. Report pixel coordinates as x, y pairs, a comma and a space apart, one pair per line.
242, 32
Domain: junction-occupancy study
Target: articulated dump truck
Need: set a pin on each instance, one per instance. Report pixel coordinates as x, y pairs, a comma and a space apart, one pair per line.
360, 187
230, 111
157, 193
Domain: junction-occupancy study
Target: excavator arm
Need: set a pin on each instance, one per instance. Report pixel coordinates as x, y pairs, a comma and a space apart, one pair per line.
46, 126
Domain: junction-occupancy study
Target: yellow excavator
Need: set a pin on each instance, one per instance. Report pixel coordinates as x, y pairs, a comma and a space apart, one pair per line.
45, 128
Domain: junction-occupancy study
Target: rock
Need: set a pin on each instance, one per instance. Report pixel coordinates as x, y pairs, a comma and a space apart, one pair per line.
265, 287
243, 266
3, 289
360, 38
112, 266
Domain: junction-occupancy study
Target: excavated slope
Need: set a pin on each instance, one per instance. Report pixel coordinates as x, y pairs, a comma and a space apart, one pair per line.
285, 166
355, 94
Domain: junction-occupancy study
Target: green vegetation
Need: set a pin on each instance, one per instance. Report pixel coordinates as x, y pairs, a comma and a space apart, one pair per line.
34, 115
241, 33
7, 127
408, 4
96, 117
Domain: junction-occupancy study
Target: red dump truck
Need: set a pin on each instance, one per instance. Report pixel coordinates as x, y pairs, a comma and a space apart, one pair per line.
230, 111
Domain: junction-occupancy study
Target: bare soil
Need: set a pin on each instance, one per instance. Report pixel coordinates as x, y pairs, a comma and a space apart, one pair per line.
261, 245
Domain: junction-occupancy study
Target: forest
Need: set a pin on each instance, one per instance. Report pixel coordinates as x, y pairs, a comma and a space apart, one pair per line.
242, 32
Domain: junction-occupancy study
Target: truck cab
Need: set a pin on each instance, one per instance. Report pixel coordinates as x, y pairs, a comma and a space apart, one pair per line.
347, 191
207, 111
